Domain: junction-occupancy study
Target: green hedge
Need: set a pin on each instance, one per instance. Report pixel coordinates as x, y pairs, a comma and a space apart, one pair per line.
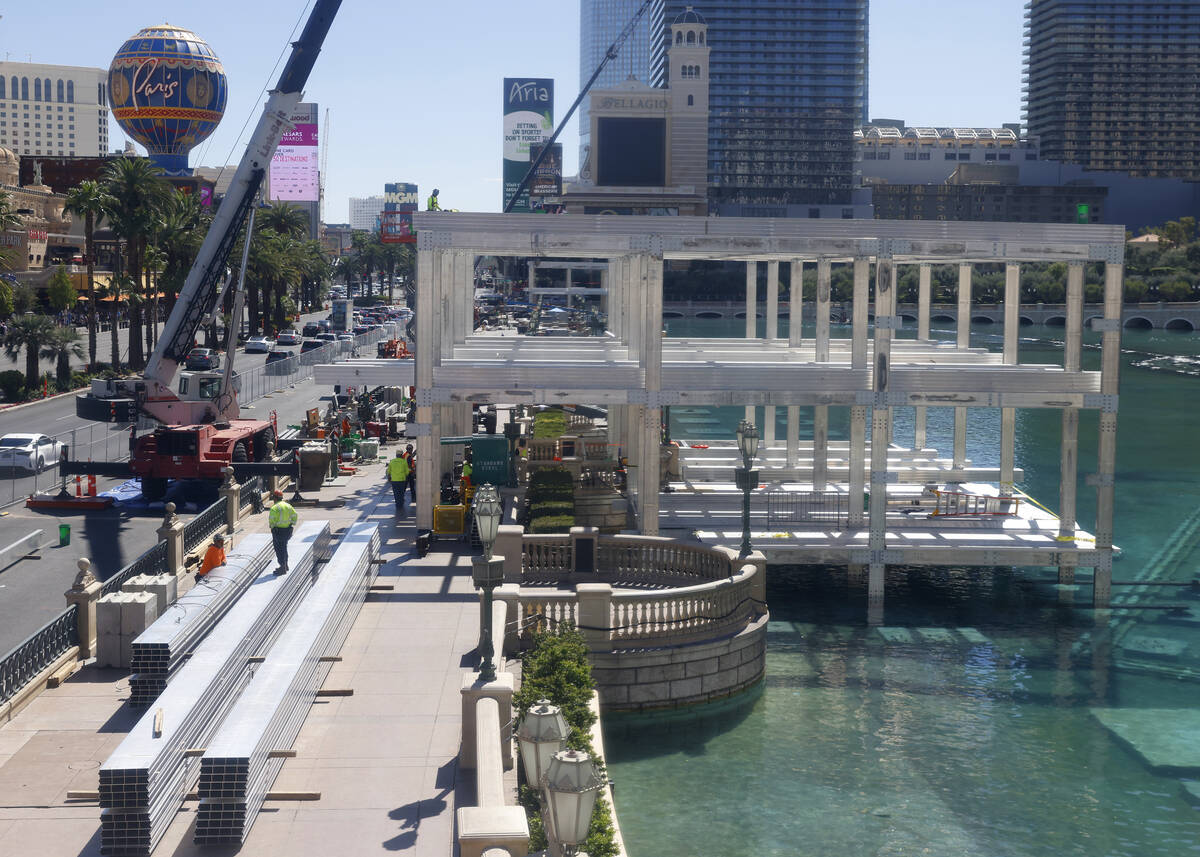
549, 423
551, 507
557, 669
552, 524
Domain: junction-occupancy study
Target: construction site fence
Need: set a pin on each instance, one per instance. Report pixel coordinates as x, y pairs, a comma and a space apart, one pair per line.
807, 507
110, 441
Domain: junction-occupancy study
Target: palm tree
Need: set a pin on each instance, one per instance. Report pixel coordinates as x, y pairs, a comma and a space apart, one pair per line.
116, 288
136, 196
284, 219
88, 201
28, 333
181, 230
61, 346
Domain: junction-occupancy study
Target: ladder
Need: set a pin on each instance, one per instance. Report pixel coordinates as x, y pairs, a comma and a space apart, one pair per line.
949, 504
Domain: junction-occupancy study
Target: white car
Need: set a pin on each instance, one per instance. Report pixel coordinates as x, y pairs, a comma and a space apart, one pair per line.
288, 337
32, 452
259, 344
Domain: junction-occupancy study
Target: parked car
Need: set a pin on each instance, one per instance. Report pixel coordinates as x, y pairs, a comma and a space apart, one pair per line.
311, 329
259, 345
33, 452
280, 361
200, 359
288, 337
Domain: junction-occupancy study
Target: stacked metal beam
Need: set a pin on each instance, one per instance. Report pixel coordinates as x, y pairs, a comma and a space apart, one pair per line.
237, 768
144, 781
162, 647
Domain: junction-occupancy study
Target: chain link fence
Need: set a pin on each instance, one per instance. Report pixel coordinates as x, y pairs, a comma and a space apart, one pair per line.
110, 441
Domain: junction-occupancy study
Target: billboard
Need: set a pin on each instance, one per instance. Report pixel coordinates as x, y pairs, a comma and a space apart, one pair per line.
295, 167
400, 200
547, 181
528, 120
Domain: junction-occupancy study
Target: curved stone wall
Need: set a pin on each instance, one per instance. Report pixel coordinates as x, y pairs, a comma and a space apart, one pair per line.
653, 679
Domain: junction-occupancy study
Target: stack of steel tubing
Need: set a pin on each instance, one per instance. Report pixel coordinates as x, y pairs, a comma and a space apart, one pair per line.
144, 781
237, 768
161, 648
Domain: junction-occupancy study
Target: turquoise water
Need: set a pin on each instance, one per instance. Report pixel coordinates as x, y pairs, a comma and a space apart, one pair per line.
965, 725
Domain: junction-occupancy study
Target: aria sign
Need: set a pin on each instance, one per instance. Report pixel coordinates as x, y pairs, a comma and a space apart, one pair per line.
528, 121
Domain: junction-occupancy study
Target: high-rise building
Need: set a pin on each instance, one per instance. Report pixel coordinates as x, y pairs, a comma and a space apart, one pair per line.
53, 109
1115, 85
787, 88
600, 22
364, 212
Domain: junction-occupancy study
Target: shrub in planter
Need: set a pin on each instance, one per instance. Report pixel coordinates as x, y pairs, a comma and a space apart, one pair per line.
552, 524
12, 385
549, 424
551, 507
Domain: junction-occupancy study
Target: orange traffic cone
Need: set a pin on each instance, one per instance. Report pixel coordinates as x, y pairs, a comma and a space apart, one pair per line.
91, 484
78, 489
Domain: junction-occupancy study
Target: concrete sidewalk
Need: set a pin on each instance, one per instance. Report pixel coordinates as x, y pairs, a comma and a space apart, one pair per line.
383, 759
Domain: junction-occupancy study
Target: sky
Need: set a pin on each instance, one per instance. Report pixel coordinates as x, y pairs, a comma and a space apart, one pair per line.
413, 90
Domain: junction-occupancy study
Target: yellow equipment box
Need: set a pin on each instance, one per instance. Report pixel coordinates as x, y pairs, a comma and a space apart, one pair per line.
449, 520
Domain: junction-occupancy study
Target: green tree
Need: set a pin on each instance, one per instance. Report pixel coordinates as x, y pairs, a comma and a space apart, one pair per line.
1175, 290
1135, 290
135, 198
6, 300
24, 299
28, 333
60, 292
88, 200
61, 346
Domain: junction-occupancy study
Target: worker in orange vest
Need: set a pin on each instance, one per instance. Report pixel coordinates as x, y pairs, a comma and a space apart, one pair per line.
214, 557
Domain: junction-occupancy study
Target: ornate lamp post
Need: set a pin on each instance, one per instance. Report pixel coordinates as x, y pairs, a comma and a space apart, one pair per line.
571, 784
542, 733
487, 571
747, 479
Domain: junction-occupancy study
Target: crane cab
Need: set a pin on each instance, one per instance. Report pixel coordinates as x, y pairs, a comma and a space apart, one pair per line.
204, 386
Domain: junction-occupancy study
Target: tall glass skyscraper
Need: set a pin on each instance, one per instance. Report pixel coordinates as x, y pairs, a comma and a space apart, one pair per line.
600, 22
787, 88
1115, 85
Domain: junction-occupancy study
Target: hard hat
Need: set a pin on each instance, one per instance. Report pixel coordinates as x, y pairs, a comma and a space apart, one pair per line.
435, 191
219, 538
276, 495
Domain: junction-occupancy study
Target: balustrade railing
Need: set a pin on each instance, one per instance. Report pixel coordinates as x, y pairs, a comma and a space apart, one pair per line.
682, 615
546, 558
643, 561
544, 612
201, 527
153, 561
19, 666
250, 497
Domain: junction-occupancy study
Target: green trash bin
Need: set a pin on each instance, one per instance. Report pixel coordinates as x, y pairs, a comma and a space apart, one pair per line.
64, 535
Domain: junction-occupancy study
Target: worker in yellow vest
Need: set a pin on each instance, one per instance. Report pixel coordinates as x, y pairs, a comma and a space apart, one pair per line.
282, 519
397, 475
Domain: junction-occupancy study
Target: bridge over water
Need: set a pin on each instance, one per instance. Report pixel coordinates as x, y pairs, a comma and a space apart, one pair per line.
1147, 316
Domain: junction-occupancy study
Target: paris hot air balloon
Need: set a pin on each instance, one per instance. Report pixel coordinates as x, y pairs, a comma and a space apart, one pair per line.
167, 91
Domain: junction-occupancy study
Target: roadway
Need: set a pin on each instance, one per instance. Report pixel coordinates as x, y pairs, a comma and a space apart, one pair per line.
31, 590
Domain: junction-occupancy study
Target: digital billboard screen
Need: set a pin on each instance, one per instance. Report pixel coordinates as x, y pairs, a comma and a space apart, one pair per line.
528, 120
631, 152
295, 168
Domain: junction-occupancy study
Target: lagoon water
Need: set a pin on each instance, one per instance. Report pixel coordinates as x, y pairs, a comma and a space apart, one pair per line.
966, 725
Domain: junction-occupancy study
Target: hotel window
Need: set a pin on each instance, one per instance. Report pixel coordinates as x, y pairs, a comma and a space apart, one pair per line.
60, 92
71, 92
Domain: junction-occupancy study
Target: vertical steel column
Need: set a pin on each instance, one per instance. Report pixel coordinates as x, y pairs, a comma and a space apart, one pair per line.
445, 305
616, 318
795, 339
1069, 467
768, 427
820, 470
885, 308
963, 342
858, 413
634, 284
751, 314
1008, 416
464, 294
651, 364
429, 265
924, 277
1110, 366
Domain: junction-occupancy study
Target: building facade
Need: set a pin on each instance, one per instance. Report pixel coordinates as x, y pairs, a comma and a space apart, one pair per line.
1115, 85
787, 88
600, 22
53, 109
649, 145
364, 212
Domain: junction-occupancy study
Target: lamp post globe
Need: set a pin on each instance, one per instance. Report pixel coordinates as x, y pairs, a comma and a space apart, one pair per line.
487, 510
572, 784
542, 733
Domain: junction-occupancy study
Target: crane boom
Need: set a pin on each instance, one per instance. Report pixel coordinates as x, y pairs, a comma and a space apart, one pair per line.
609, 55
151, 391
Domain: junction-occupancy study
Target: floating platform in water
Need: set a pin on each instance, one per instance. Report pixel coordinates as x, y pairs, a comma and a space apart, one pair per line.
1163, 738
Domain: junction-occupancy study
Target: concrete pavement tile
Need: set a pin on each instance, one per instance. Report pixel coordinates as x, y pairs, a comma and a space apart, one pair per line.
347, 833
367, 786
446, 737
33, 783
370, 704
56, 745
95, 681
80, 713
382, 738
54, 837
12, 740
408, 677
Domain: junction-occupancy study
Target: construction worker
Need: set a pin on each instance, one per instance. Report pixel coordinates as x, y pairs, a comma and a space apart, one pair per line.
214, 557
432, 204
397, 476
465, 480
411, 457
282, 519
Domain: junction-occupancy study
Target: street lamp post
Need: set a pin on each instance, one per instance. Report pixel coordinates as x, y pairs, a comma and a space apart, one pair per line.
747, 479
572, 783
487, 571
